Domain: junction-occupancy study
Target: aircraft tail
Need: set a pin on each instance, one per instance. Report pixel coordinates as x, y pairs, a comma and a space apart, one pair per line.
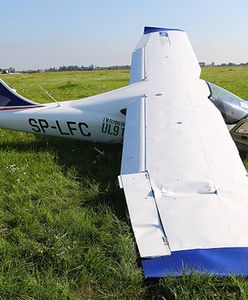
9, 99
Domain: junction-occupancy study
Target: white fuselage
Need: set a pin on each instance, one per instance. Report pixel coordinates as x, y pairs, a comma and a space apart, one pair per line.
97, 118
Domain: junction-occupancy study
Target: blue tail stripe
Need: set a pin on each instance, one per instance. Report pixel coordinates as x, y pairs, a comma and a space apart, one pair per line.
218, 261
9, 98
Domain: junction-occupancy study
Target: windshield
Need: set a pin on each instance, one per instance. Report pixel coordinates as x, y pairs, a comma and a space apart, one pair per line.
232, 108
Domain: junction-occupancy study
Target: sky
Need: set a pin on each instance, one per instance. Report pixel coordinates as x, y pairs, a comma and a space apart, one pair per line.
50, 33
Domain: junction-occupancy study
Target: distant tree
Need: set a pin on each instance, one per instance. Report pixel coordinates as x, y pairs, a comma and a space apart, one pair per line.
51, 70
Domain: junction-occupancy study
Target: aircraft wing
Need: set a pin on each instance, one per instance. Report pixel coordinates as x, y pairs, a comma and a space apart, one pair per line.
163, 53
185, 185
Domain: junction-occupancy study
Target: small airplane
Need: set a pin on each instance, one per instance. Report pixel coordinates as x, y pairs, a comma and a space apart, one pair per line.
185, 184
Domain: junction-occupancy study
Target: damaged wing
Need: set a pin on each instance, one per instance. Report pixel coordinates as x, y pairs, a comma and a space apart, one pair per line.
185, 184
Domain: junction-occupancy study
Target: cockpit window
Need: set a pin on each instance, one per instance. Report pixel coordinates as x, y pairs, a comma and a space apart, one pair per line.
232, 107
242, 129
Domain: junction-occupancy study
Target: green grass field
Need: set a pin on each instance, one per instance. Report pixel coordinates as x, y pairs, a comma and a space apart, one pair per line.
64, 230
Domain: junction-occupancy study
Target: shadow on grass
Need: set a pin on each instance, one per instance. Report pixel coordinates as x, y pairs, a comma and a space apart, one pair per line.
90, 166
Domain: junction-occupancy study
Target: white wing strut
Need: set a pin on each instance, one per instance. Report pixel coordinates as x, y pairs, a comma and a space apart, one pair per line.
185, 184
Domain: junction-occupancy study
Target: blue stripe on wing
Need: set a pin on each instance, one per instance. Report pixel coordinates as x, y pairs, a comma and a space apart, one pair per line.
217, 261
148, 29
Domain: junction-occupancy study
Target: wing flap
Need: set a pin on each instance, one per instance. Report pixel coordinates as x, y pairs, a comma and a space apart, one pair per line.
149, 234
133, 154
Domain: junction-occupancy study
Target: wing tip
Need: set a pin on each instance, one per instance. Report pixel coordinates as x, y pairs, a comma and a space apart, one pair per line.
215, 261
149, 29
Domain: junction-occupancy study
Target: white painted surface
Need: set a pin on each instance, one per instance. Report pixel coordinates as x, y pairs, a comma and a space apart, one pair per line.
133, 153
195, 172
197, 177
144, 217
